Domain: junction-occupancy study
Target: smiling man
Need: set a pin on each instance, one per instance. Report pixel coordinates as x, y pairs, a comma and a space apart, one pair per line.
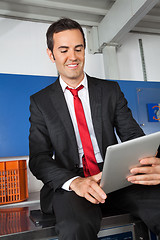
75, 118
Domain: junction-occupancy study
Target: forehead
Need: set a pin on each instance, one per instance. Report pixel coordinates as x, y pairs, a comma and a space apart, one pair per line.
68, 38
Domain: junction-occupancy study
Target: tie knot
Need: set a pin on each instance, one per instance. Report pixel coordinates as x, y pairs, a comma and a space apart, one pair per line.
75, 91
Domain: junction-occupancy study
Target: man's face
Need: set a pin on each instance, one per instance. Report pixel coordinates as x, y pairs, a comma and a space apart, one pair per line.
69, 55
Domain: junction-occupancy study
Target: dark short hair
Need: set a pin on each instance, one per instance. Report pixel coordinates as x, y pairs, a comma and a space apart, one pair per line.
62, 25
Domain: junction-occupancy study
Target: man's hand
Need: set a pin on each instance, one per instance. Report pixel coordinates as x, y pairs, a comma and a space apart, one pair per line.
89, 188
146, 175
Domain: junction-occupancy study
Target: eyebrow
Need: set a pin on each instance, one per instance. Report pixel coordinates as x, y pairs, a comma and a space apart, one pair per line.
62, 47
80, 45
77, 46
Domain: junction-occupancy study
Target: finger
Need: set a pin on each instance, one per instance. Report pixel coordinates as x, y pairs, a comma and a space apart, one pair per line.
142, 170
150, 160
153, 182
96, 188
91, 199
144, 177
96, 196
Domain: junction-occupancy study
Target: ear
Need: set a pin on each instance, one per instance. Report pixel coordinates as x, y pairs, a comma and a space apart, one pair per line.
50, 54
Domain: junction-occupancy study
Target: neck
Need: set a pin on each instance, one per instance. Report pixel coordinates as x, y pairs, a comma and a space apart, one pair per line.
73, 82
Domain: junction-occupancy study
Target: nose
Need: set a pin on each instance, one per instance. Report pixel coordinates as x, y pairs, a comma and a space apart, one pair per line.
72, 55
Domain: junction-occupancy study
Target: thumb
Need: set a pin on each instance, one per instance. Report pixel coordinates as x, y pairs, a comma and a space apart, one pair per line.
97, 177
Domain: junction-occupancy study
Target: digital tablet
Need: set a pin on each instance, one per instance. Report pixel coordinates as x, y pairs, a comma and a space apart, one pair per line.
120, 158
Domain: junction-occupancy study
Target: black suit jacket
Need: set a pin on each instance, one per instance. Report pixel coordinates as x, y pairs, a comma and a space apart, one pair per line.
52, 131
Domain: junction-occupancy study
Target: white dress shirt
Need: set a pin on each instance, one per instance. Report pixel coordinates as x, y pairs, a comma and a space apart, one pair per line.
84, 96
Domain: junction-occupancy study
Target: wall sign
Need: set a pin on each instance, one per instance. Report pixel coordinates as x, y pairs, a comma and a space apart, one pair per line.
153, 112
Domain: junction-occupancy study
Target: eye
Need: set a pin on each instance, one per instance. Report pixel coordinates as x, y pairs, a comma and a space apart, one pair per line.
78, 50
64, 51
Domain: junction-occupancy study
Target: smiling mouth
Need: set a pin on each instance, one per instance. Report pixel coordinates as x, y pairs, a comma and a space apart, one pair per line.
72, 66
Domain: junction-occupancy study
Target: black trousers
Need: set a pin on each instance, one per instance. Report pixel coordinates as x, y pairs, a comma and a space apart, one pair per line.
79, 219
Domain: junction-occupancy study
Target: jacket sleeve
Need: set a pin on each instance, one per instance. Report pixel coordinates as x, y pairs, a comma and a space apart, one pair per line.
126, 126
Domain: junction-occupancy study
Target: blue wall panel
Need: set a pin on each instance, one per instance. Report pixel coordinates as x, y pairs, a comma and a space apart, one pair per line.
15, 91
138, 94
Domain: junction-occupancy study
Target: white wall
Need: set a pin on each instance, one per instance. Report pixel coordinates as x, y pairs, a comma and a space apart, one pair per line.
23, 50
129, 58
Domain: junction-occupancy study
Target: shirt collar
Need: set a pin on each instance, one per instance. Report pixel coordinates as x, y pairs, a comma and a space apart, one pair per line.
64, 85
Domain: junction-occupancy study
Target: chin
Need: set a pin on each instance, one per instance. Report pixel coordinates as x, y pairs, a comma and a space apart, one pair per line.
76, 75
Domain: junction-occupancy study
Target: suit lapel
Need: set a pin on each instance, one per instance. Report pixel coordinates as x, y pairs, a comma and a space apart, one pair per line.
60, 105
96, 109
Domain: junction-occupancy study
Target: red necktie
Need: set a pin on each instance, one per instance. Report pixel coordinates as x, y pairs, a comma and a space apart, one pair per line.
90, 166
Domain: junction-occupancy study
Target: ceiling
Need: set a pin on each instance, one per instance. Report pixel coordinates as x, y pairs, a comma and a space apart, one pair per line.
151, 22
86, 12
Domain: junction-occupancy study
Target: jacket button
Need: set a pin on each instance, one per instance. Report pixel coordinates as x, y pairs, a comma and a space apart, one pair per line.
76, 166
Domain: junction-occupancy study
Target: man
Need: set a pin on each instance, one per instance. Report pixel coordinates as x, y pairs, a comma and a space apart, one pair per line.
55, 128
